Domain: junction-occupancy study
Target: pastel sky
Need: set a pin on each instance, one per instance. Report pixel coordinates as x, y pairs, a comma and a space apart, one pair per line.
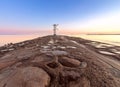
73, 16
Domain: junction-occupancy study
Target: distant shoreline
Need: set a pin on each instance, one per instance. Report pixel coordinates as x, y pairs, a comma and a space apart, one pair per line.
102, 34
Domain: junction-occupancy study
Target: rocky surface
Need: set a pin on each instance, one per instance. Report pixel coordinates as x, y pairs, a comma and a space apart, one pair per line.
60, 61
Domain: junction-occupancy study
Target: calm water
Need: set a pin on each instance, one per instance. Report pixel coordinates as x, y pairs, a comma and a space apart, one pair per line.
113, 39
4, 39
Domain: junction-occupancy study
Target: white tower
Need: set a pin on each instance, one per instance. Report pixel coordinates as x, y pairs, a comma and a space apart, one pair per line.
54, 29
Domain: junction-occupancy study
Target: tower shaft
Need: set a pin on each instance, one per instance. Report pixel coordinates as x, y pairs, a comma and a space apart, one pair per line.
55, 29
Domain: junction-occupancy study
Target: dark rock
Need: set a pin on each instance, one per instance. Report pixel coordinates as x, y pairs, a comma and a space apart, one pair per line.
53, 65
69, 62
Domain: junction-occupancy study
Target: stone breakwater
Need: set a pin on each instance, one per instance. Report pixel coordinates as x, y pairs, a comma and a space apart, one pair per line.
59, 62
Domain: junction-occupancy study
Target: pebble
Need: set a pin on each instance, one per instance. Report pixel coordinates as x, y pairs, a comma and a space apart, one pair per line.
51, 42
44, 50
5, 50
11, 49
21, 44
45, 47
61, 47
71, 47
83, 65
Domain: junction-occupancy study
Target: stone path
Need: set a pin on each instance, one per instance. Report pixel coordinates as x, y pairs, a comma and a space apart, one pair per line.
64, 63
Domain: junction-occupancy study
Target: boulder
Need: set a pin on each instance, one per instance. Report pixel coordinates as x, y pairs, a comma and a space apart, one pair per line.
59, 53
69, 62
27, 77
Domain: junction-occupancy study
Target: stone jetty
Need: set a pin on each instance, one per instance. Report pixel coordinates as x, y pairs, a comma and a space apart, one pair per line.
64, 62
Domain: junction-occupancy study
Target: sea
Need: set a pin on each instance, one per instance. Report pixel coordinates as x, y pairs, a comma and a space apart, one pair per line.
5, 39
111, 39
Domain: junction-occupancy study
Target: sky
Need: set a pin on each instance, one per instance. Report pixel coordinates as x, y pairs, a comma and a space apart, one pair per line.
73, 16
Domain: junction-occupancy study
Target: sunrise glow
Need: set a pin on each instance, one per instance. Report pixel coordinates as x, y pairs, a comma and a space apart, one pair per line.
74, 16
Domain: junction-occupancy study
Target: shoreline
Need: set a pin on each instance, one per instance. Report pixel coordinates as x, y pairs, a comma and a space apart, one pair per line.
97, 45
19, 38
